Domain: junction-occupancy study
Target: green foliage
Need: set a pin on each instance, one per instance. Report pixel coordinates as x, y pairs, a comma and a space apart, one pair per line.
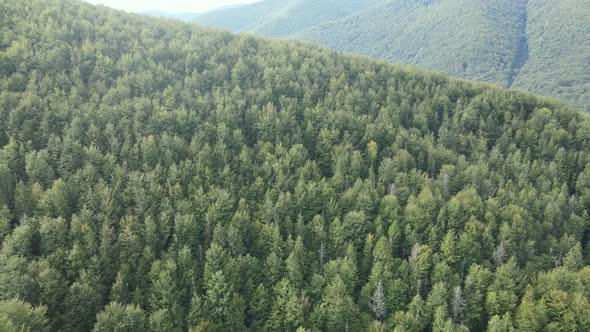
120, 318
162, 177
5, 217
550, 70
82, 304
16, 315
426, 33
337, 311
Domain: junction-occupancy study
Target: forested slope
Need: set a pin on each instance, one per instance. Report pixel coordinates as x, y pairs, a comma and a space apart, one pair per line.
486, 40
558, 61
242, 18
156, 176
537, 45
465, 38
281, 18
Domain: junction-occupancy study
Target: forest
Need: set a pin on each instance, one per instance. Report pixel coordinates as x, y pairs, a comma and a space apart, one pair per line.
159, 176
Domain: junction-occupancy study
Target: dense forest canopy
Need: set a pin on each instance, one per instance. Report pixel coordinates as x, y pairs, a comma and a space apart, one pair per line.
156, 176
542, 46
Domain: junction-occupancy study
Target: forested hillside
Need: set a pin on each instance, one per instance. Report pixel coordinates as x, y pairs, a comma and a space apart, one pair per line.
465, 38
281, 18
537, 45
156, 176
558, 61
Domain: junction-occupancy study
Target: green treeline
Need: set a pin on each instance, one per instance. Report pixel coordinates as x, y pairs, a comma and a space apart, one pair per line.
155, 176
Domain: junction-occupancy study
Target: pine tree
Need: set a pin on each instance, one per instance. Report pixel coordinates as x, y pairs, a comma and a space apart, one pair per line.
163, 294
17, 315
337, 311
457, 304
116, 317
529, 315
288, 309
377, 303
81, 304
5, 217
218, 299
500, 255
500, 324
573, 260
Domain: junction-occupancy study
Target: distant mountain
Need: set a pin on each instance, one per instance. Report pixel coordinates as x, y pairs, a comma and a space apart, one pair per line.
539, 45
466, 38
558, 62
186, 16
281, 18
178, 16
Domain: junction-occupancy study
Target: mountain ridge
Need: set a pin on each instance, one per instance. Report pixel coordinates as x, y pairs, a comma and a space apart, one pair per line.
480, 40
273, 17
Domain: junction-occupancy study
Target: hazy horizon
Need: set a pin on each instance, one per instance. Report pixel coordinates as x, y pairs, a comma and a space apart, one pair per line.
171, 6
